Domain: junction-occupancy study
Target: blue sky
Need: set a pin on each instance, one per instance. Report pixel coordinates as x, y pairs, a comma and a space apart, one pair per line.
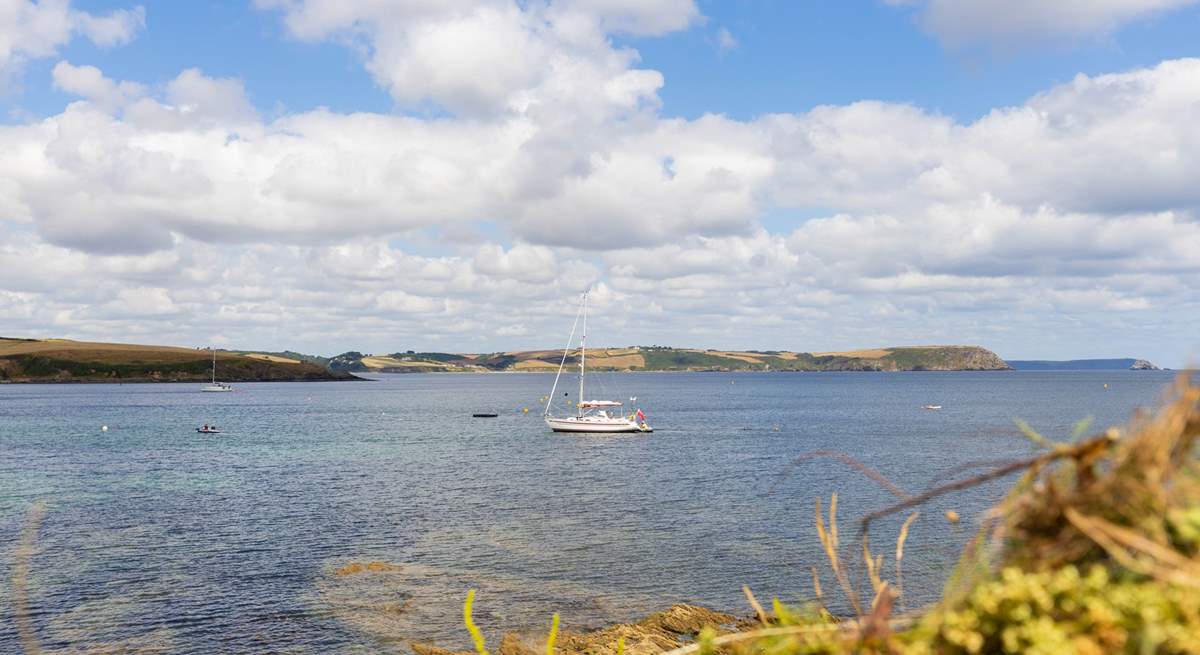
802, 175
225, 39
790, 56
795, 55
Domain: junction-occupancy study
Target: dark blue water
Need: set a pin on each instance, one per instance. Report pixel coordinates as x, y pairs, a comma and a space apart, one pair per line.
157, 537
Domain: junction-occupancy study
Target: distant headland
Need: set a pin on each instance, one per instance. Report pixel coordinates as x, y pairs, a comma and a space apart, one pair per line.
63, 360
1127, 364
662, 358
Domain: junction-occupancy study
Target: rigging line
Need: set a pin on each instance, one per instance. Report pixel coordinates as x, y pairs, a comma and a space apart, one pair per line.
583, 354
566, 350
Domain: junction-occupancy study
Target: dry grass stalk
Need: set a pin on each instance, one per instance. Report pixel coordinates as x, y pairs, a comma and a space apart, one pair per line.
26, 546
758, 608
829, 541
874, 566
900, 539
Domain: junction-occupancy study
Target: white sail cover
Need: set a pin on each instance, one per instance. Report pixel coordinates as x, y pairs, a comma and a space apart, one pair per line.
591, 404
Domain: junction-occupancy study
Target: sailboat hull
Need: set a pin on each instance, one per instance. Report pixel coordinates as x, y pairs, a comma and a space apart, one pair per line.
215, 387
595, 424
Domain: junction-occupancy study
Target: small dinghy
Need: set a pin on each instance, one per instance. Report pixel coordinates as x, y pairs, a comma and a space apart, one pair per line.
484, 415
208, 429
931, 407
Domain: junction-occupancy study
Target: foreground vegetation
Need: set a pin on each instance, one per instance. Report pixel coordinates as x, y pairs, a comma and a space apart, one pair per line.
1095, 550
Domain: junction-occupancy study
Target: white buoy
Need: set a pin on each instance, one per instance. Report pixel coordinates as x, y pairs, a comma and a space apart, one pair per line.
104, 428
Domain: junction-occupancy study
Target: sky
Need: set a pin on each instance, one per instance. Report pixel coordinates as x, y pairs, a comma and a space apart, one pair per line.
384, 175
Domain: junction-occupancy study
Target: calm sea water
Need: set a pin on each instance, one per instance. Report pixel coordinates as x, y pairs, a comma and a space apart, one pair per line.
157, 537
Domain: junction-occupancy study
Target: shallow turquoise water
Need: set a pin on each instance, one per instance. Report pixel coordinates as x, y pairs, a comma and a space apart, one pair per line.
157, 536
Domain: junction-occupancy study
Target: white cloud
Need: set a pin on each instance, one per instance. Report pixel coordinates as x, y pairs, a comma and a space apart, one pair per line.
117, 28
89, 82
140, 302
726, 41
638, 17
485, 58
198, 163
32, 29
221, 102
1002, 22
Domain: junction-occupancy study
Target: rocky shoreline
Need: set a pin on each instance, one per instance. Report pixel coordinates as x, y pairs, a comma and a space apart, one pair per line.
658, 633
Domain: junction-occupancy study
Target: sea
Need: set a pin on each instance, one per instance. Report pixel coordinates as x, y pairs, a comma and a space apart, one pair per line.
354, 517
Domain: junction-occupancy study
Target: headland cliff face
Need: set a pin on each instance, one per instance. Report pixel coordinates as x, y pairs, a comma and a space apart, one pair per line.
663, 358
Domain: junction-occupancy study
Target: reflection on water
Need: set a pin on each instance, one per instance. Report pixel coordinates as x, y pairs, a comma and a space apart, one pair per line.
157, 539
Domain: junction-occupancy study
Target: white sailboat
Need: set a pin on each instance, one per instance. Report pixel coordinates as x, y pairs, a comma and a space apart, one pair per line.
216, 386
590, 415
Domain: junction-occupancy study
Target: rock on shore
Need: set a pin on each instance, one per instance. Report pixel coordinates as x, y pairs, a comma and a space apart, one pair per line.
657, 633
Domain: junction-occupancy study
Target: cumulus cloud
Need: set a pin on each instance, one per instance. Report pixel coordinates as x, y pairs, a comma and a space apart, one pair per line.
1002, 22
199, 163
220, 102
117, 28
483, 58
33, 29
90, 83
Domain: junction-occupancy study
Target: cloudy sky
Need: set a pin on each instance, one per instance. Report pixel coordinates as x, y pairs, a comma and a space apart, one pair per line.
381, 175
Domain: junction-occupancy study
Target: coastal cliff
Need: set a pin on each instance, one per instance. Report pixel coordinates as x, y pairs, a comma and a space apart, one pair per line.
62, 360
662, 358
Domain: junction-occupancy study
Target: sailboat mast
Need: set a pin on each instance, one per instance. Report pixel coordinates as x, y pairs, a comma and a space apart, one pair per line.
582, 353
214, 371
563, 363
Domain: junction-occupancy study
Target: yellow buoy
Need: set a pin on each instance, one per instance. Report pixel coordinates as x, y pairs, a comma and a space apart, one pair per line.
952, 516
525, 410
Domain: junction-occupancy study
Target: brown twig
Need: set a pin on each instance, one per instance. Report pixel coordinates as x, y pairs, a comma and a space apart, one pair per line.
967, 466
1076, 450
875, 475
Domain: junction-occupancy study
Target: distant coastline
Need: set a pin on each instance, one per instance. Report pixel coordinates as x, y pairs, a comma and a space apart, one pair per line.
666, 359
1122, 364
66, 361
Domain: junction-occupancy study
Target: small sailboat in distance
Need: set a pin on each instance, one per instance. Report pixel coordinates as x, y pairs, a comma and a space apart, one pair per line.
590, 415
216, 386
